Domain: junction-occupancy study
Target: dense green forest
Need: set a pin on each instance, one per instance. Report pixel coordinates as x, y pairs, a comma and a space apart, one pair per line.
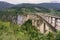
26, 10
22, 10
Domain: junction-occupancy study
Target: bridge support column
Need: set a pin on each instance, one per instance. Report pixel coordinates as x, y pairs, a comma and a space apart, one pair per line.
50, 20
55, 22
34, 23
47, 18
42, 28
46, 28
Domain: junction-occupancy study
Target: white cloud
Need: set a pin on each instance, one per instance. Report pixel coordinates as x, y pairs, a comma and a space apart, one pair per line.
15, 1
38, 1
55, 1
29, 1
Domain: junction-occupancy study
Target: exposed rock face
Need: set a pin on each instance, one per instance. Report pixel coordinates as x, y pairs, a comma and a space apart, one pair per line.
21, 19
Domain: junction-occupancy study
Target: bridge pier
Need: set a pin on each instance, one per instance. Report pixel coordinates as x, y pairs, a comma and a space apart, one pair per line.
44, 28
53, 21
34, 23
57, 23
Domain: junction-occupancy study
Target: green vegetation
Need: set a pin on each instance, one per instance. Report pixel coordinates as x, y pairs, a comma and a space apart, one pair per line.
10, 31
54, 12
26, 10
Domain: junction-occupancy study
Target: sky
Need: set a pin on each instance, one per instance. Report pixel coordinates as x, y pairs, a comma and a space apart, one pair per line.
30, 1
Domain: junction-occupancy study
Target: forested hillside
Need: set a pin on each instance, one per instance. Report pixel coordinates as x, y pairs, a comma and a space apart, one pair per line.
25, 32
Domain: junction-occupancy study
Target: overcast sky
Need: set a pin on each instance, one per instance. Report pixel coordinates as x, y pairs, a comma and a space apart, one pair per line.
30, 1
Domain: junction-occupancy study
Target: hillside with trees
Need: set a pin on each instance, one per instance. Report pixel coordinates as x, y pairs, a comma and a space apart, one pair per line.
12, 31
25, 32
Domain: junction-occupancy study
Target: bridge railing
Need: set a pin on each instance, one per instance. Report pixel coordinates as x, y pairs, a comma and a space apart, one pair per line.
53, 20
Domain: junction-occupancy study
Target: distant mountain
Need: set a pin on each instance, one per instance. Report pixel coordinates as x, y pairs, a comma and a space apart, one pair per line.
5, 5
35, 7
25, 5
43, 5
50, 5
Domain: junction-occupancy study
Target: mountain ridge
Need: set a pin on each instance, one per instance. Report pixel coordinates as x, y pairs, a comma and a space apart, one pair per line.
5, 5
